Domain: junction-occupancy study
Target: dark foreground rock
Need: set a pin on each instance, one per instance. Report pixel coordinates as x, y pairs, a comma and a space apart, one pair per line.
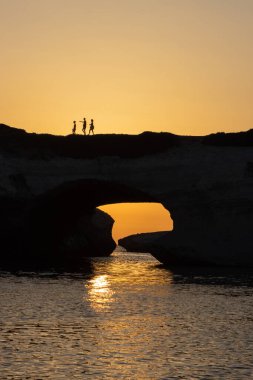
29, 243
45, 146
143, 242
159, 245
50, 187
91, 237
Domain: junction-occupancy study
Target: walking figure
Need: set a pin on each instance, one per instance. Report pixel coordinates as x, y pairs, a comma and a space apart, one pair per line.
74, 128
91, 130
84, 125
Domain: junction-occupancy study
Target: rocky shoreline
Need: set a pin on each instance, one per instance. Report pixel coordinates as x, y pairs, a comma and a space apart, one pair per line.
51, 186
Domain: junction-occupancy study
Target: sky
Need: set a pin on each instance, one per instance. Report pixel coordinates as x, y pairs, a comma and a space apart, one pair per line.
132, 218
181, 66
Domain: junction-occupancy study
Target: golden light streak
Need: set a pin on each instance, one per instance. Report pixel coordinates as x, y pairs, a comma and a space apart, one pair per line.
99, 292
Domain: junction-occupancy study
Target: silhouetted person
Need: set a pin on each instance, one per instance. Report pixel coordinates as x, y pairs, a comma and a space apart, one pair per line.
84, 125
91, 130
74, 127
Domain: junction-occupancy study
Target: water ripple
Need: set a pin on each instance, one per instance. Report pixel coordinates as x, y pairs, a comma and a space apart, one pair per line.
128, 319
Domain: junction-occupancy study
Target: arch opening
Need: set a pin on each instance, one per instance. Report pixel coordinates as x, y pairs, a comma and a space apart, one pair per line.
138, 217
69, 225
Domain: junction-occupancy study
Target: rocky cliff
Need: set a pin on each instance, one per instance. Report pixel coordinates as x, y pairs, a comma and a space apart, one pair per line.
49, 183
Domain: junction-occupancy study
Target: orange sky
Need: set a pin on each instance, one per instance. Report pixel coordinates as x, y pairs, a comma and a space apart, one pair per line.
183, 66
131, 218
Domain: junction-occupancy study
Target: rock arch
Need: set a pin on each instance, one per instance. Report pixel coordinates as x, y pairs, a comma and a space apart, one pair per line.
63, 226
205, 183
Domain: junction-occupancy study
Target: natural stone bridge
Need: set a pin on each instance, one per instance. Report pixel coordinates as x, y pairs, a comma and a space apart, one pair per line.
50, 187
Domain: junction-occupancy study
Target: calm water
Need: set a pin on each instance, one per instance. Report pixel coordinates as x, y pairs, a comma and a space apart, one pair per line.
127, 318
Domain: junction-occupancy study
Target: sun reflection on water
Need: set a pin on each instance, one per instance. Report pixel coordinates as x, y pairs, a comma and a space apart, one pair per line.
99, 292
113, 275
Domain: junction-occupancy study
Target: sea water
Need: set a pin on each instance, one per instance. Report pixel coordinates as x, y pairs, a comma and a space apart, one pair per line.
126, 317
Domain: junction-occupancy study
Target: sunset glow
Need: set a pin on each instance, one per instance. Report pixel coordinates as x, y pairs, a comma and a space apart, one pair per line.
133, 218
161, 65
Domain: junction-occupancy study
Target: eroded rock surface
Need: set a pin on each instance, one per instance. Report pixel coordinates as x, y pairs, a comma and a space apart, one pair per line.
208, 189
29, 243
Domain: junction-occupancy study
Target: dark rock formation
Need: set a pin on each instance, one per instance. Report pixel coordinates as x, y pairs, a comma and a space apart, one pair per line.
50, 185
142, 242
35, 242
230, 139
44, 146
159, 245
91, 237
